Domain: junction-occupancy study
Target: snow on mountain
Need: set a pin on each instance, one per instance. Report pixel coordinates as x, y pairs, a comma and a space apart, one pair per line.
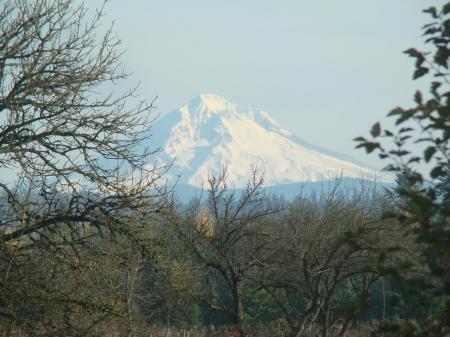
210, 132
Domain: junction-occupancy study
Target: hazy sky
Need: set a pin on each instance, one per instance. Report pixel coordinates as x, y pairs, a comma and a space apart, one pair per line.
324, 69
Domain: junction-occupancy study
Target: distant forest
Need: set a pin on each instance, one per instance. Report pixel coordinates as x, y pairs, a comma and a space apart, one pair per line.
93, 241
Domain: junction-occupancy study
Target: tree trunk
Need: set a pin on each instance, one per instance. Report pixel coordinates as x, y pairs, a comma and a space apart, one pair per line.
238, 308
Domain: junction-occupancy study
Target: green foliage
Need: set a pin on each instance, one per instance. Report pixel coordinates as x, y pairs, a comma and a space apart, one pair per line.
260, 308
425, 198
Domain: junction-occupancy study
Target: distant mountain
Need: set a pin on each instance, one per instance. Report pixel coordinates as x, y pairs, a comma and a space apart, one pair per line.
186, 193
210, 132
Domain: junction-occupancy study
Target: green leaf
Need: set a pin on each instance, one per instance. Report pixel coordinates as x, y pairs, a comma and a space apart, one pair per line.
403, 130
414, 160
429, 152
446, 8
405, 116
433, 11
392, 167
413, 52
399, 153
436, 172
371, 146
446, 26
376, 130
420, 72
420, 61
418, 97
441, 56
396, 111
426, 139
444, 111
438, 40
434, 88
432, 30
359, 139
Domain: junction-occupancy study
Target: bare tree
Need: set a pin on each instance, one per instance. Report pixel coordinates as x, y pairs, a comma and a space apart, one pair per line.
60, 128
227, 238
72, 142
326, 245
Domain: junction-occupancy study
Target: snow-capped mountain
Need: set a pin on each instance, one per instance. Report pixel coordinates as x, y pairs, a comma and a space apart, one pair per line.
210, 132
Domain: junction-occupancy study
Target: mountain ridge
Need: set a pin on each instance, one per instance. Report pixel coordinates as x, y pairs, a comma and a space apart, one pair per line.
210, 132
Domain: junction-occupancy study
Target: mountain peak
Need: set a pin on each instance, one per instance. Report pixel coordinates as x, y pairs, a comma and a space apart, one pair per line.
211, 132
214, 103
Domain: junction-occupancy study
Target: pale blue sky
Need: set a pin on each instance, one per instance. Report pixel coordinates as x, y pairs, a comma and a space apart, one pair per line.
324, 69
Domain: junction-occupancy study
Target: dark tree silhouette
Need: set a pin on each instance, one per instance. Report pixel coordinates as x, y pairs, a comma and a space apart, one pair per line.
424, 209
